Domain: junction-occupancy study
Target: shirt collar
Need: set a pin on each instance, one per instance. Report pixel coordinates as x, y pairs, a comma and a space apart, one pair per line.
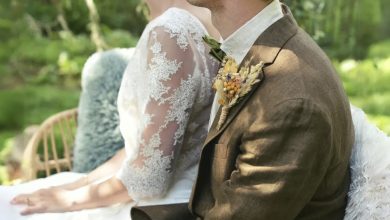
238, 44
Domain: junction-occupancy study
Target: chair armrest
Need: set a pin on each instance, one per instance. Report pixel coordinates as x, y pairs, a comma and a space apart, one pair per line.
55, 132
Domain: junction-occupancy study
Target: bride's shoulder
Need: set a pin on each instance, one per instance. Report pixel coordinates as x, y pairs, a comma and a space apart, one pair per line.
357, 113
173, 15
177, 21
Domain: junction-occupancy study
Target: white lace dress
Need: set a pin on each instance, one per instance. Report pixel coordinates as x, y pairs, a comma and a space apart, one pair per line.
164, 106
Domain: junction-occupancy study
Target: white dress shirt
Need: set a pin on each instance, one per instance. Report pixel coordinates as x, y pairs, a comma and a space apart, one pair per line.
238, 44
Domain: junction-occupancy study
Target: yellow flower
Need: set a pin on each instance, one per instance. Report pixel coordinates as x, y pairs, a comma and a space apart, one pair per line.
230, 66
218, 85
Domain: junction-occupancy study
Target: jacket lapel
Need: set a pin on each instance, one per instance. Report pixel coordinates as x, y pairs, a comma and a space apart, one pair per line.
266, 49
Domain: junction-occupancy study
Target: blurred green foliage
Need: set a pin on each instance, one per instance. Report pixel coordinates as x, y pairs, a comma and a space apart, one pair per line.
367, 83
37, 48
344, 28
26, 105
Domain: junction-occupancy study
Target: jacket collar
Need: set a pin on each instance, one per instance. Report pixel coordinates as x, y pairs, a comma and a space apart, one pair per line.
266, 48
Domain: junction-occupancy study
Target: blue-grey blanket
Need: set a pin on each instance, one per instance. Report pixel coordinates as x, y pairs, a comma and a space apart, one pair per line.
98, 136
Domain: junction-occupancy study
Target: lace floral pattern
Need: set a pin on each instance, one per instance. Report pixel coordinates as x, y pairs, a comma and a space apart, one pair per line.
164, 104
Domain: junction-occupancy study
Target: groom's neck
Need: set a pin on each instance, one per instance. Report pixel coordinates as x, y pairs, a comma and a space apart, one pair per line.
233, 14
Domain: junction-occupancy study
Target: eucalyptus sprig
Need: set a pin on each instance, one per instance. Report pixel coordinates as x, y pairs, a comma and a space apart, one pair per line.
215, 48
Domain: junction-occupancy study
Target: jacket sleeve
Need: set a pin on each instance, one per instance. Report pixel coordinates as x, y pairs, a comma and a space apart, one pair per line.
284, 155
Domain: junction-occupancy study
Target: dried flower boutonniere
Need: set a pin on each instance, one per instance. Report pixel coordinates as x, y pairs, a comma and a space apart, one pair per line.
232, 83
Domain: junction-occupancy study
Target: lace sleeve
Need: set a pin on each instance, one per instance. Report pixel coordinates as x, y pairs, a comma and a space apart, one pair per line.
171, 88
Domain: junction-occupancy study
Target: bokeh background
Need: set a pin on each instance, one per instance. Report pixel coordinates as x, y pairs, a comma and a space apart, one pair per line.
44, 44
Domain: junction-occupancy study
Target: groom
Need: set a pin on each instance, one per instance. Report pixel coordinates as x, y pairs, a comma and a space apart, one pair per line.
282, 151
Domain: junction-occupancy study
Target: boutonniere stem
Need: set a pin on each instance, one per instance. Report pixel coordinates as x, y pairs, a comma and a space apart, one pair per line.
224, 113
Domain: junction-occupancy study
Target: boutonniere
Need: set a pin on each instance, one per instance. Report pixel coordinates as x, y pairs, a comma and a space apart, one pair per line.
215, 48
232, 83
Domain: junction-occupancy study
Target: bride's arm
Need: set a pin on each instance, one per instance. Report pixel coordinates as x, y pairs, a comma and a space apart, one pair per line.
90, 196
106, 193
104, 170
80, 194
173, 89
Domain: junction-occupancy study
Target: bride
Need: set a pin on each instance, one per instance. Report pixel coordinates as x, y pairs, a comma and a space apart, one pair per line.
164, 103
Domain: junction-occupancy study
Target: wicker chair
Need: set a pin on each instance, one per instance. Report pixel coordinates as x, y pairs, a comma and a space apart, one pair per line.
50, 149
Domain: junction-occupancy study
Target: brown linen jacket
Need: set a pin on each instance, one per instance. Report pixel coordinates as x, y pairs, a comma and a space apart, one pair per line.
283, 152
